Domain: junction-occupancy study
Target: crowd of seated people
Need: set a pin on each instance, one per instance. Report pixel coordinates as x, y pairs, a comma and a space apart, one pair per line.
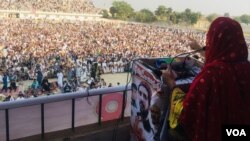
66, 6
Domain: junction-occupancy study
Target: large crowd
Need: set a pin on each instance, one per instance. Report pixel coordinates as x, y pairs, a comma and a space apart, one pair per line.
78, 52
67, 6
74, 53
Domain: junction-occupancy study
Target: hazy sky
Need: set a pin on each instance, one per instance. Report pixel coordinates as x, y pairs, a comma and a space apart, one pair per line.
234, 7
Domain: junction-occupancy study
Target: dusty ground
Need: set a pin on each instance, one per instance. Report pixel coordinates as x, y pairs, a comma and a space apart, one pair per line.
114, 78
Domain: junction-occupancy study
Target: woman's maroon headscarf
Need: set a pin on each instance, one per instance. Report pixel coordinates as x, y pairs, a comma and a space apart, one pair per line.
220, 94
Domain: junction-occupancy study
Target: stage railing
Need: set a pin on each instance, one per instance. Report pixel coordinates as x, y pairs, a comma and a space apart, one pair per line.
46, 114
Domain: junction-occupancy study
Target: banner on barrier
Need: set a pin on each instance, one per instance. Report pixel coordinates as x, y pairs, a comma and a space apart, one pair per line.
146, 104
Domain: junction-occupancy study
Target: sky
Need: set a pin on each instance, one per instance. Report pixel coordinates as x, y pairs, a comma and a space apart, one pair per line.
233, 7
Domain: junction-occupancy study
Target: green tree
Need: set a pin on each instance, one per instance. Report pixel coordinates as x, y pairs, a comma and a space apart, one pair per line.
186, 16
113, 11
161, 12
173, 18
245, 19
176, 17
194, 17
105, 13
212, 17
169, 11
237, 19
145, 15
121, 10
187, 12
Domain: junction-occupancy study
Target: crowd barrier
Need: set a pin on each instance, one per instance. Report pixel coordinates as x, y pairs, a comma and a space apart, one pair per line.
41, 115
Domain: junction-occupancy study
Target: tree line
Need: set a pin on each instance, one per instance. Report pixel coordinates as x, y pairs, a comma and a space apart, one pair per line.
123, 11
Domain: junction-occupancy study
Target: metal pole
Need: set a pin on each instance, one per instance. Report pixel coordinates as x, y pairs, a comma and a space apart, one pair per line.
42, 121
73, 115
123, 104
100, 110
7, 124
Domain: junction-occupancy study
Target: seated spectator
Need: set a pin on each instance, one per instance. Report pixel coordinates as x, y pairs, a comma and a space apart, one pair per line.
67, 87
9, 98
110, 85
81, 89
35, 84
91, 83
73, 84
46, 85
20, 96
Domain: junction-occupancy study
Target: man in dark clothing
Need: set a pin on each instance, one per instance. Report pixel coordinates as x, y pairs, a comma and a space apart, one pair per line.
5, 83
13, 79
46, 85
67, 88
39, 77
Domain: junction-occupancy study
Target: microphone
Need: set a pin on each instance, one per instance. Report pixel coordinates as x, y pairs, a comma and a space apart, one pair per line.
184, 70
177, 64
188, 53
181, 68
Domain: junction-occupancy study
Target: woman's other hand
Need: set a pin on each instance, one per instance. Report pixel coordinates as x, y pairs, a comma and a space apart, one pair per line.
168, 77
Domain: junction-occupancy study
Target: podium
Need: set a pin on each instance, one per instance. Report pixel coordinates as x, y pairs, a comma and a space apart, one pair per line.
150, 101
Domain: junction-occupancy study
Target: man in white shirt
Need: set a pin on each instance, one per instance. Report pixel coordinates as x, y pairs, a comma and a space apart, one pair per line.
78, 74
20, 96
60, 79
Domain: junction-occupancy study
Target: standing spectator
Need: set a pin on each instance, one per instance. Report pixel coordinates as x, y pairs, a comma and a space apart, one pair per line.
39, 77
78, 74
60, 79
71, 74
13, 79
9, 98
5, 82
